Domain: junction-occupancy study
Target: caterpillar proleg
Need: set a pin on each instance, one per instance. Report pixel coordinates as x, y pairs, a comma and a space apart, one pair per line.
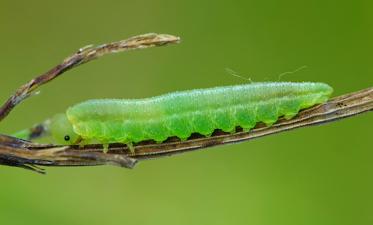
182, 113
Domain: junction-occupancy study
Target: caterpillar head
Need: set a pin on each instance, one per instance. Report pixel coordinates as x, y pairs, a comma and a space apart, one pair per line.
62, 130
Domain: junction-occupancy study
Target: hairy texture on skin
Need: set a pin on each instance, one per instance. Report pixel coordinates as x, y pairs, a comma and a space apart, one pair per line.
195, 111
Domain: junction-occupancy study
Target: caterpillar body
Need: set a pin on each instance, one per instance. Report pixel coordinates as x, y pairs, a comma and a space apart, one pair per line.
185, 112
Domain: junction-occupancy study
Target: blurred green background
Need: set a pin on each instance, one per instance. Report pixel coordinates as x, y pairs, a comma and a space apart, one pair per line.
316, 175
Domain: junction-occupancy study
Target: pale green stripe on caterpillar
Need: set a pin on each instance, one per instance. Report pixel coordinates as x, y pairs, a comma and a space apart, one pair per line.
185, 112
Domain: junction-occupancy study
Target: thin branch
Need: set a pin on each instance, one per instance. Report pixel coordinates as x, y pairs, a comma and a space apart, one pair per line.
25, 154
16, 152
85, 55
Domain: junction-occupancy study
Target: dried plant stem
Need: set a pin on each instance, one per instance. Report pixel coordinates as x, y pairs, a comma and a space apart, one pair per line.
29, 155
15, 152
85, 55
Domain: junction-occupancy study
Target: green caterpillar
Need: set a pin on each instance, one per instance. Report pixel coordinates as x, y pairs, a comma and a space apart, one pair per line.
185, 112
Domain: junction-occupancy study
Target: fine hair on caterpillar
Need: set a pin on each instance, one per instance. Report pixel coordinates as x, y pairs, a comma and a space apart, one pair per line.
249, 79
235, 74
280, 76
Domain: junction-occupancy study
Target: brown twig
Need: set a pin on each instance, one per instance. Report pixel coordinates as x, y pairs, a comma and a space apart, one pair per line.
15, 152
29, 155
85, 55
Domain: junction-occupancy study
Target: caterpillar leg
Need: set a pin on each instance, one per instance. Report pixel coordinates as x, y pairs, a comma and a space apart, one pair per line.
82, 142
131, 147
105, 147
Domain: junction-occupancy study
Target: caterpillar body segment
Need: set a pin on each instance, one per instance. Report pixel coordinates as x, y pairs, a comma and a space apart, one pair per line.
185, 112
